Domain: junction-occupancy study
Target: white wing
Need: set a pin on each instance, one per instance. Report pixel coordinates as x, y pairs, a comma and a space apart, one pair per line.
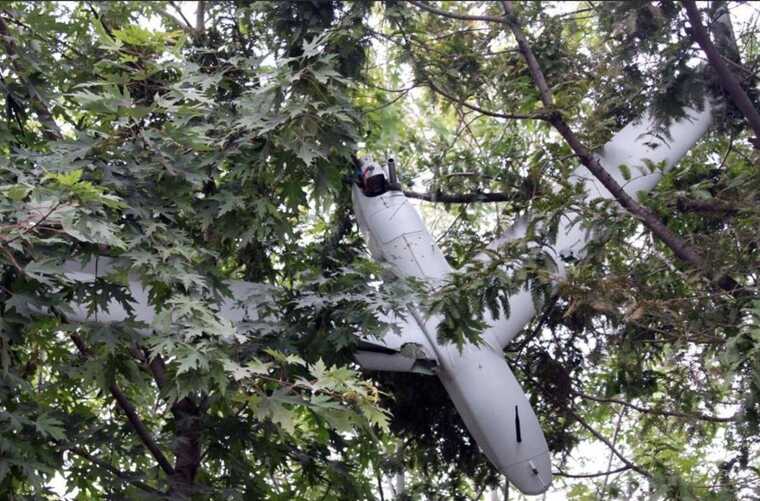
237, 309
628, 157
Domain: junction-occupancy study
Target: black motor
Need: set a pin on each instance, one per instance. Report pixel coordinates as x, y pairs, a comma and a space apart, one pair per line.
373, 179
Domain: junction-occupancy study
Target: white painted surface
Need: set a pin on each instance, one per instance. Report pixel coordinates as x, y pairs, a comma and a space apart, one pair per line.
492, 404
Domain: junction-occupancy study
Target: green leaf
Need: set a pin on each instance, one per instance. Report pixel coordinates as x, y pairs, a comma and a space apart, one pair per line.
16, 192
625, 171
50, 427
191, 360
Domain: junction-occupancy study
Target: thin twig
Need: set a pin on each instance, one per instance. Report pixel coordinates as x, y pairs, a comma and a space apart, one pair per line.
187, 29
619, 424
561, 473
657, 412
606, 442
121, 475
452, 15
389, 103
36, 223
490, 113
43, 38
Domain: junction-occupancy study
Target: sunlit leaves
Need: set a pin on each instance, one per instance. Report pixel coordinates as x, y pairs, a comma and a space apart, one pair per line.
220, 153
177, 159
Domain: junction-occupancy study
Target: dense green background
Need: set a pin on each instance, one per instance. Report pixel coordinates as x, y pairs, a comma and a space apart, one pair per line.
212, 140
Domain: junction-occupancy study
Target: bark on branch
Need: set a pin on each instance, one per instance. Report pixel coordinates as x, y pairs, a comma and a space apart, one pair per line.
726, 77
200, 17
187, 426
681, 248
134, 419
458, 198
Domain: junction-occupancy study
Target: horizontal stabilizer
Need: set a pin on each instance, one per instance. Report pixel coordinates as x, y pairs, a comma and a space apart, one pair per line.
394, 362
403, 348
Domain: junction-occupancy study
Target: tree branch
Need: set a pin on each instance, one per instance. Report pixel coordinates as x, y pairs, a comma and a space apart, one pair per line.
713, 206
527, 53
340, 226
44, 38
182, 15
34, 225
621, 414
189, 31
727, 79
509, 116
126, 477
452, 15
158, 369
602, 439
629, 464
680, 247
656, 412
561, 473
50, 129
200, 17
458, 198
187, 448
99, 18
134, 419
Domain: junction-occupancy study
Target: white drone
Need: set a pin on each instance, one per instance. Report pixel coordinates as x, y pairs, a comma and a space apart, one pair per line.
479, 381
481, 385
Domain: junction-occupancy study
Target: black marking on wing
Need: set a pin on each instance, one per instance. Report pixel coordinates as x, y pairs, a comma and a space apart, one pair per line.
517, 425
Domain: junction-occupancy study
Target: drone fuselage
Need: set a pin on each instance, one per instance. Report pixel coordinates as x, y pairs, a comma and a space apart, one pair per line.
477, 378
481, 385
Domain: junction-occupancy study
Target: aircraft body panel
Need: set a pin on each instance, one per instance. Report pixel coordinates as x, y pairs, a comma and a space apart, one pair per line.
396, 235
636, 148
234, 310
486, 394
499, 416
478, 379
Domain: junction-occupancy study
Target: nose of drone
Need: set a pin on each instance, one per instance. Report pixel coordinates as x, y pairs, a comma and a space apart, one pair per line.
498, 415
373, 177
532, 476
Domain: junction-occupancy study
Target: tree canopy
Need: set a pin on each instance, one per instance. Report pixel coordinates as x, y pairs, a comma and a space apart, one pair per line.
199, 142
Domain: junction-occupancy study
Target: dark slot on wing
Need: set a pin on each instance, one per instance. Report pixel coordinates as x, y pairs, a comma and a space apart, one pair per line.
517, 425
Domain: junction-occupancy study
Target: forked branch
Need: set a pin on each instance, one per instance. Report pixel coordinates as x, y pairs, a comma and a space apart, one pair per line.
134, 419
680, 247
726, 77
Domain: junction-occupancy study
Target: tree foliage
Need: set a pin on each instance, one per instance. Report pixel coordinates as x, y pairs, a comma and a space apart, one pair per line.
197, 151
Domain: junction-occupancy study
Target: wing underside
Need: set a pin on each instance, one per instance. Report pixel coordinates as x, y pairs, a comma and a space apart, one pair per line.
403, 348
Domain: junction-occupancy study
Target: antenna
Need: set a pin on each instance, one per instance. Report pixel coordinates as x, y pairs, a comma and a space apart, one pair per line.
393, 183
